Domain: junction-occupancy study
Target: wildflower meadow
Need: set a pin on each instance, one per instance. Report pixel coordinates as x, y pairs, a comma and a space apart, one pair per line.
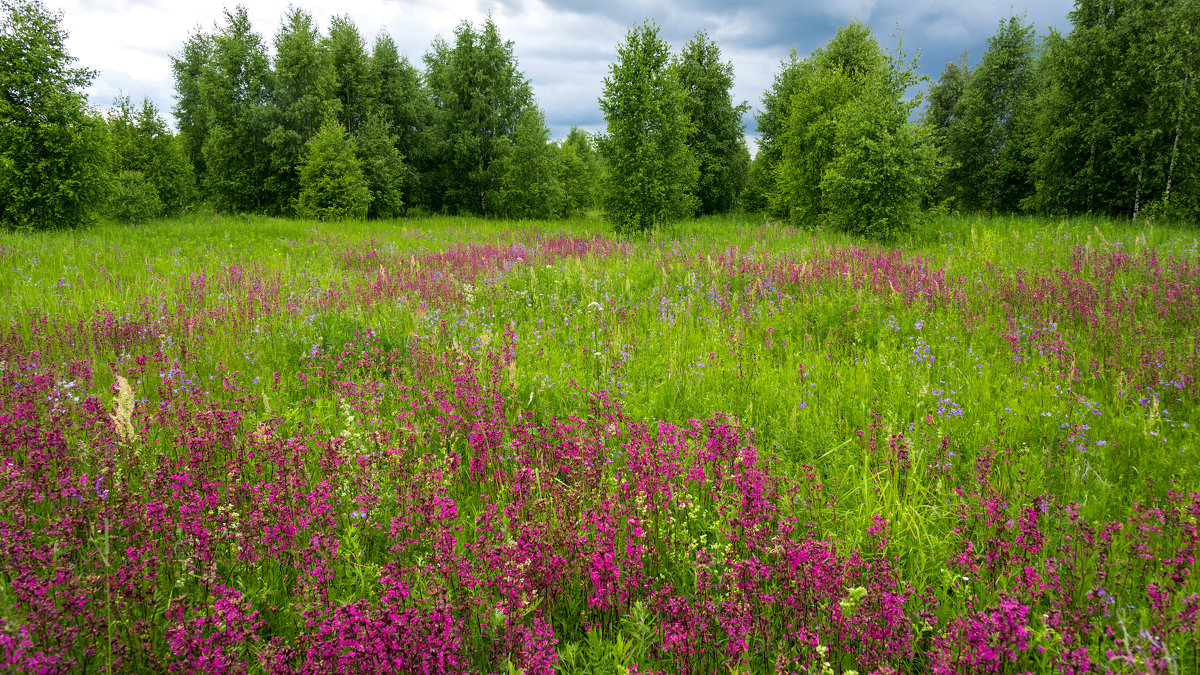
445, 445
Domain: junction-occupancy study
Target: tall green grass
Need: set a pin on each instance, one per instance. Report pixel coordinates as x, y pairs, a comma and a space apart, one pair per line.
824, 374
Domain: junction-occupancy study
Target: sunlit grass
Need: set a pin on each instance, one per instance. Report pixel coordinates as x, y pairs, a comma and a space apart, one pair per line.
909, 403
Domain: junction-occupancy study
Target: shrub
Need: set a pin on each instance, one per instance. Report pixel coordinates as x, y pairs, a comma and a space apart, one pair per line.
134, 199
332, 184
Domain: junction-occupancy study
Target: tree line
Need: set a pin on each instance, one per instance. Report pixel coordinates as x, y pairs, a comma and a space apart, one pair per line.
1102, 120
318, 124
325, 127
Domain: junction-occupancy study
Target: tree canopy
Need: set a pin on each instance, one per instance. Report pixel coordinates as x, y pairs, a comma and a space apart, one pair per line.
651, 172
223, 82
53, 152
987, 130
848, 155
478, 96
717, 132
302, 97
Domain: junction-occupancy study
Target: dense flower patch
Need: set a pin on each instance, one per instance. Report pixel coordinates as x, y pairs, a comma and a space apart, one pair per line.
248, 476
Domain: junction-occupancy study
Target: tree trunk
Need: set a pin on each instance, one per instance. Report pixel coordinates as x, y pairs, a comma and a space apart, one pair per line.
1137, 193
1141, 170
1091, 172
1175, 144
1171, 167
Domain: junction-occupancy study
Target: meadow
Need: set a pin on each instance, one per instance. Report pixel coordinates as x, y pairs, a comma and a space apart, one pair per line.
442, 445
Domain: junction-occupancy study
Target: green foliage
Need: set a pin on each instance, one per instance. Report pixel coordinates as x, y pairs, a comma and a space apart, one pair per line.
141, 144
133, 198
942, 101
988, 131
301, 98
172, 175
760, 183
479, 95
772, 124
603, 654
332, 183
796, 144
855, 52
399, 95
941, 111
850, 158
53, 155
347, 54
223, 85
650, 174
1117, 125
717, 138
531, 186
189, 69
382, 166
809, 144
1076, 167
822, 84
883, 167
580, 171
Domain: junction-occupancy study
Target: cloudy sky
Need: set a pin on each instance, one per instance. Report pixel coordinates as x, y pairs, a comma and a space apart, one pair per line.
563, 46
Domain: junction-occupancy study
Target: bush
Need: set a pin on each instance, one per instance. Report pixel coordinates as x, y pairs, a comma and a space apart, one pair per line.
134, 199
332, 184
